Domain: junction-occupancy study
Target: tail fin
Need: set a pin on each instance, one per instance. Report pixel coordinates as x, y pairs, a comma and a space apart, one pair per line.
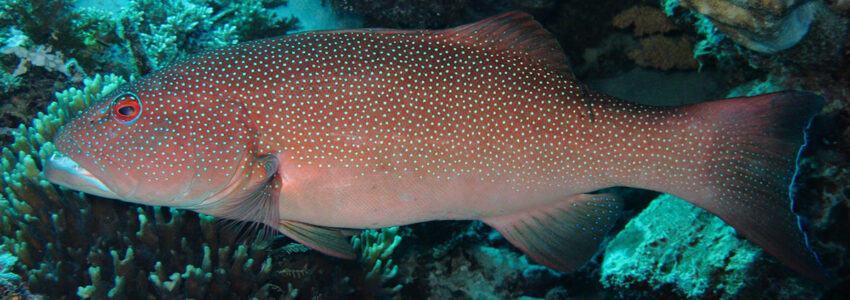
750, 170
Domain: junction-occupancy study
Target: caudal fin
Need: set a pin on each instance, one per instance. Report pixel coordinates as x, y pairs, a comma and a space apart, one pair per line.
750, 168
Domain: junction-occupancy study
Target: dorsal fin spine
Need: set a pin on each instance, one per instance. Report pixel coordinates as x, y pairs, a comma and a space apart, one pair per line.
514, 32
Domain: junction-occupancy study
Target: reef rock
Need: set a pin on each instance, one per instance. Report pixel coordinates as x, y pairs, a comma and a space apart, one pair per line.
673, 246
765, 26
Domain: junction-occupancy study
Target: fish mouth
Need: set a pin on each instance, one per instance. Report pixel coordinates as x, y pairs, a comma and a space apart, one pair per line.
64, 171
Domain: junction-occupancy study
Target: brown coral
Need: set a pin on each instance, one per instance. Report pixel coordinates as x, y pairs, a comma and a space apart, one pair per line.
664, 53
657, 50
646, 19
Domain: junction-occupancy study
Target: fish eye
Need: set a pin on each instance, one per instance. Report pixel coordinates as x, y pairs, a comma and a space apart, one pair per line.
126, 108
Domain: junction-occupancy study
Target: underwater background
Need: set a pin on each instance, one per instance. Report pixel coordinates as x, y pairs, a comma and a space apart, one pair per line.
59, 56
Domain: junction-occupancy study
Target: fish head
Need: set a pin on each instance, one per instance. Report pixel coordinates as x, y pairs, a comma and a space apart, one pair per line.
153, 142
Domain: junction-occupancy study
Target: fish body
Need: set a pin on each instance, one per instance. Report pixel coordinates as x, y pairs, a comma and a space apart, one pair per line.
319, 132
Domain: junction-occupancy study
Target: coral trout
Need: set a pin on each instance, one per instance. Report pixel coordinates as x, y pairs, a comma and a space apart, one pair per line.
317, 133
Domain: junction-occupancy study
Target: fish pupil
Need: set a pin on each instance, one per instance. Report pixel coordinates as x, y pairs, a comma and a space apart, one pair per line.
126, 110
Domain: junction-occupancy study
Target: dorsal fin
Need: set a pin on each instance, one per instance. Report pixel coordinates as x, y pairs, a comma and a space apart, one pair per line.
515, 31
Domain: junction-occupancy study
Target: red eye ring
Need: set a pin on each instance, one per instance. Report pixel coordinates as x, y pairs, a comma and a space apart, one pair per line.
126, 108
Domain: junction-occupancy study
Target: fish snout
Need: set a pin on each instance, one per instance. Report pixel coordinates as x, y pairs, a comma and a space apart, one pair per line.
64, 171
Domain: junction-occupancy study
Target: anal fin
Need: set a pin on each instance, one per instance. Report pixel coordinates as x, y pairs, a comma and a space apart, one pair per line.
563, 236
330, 241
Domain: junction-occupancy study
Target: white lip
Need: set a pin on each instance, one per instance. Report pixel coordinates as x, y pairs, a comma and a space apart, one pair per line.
61, 170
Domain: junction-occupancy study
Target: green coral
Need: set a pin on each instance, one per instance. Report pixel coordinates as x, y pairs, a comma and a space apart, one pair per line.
166, 26
771, 84
169, 29
709, 45
711, 37
376, 247
668, 6
173, 28
253, 19
8, 82
12, 285
673, 245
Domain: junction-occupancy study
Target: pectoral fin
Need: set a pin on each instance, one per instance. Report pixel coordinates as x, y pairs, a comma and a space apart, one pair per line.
563, 236
331, 241
257, 201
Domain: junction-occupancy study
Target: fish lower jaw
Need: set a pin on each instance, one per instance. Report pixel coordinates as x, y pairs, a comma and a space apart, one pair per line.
64, 171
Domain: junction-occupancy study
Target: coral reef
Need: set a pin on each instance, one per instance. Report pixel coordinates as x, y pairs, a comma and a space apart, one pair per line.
12, 286
57, 24
664, 53
131, 34
672, 243
375, 247
466, 259
841, 5
40, 56
582, 27
657, 50
318, 15
485, 273
8, 82
647, 20
170, 29
763, 26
